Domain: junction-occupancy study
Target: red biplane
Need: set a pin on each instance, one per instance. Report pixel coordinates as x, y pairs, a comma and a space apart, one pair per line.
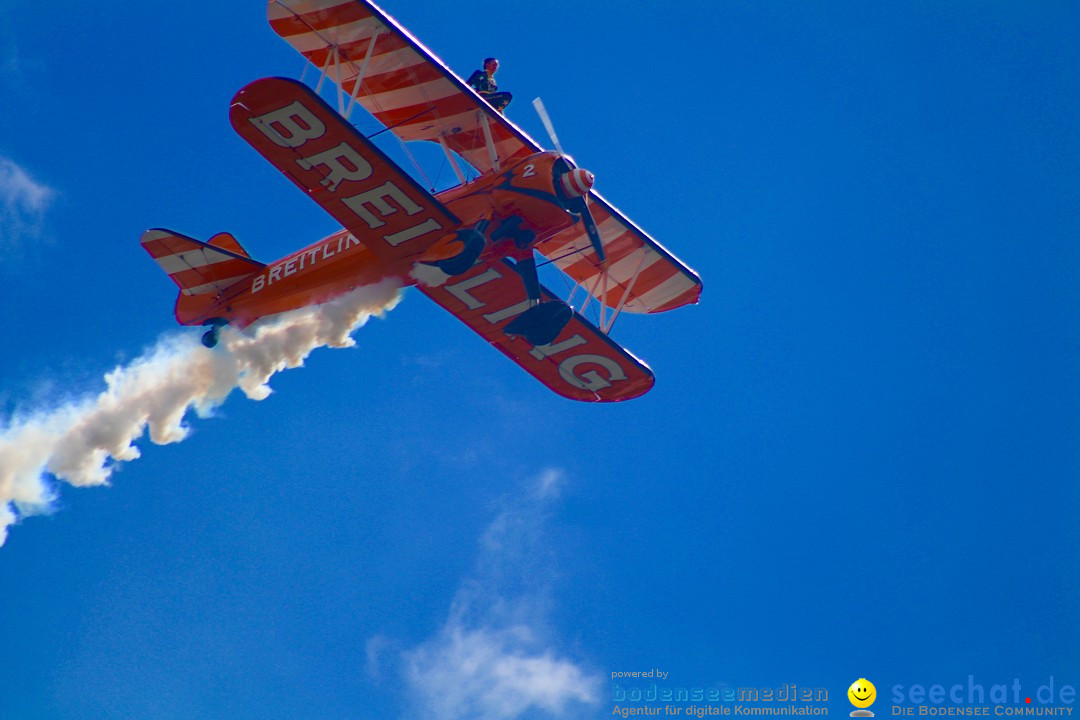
470, 248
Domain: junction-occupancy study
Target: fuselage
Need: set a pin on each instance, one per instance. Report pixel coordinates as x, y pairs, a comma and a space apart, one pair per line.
516, 208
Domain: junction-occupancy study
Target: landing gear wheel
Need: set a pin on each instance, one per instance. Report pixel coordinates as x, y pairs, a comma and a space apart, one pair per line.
210, 337
463, 261
542, 323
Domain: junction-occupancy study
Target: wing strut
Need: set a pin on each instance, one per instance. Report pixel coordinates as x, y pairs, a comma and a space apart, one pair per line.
363, 70
324, 70
450, 157
485, 123
626, 294
340, 90
604, 322
603, 293
335, 57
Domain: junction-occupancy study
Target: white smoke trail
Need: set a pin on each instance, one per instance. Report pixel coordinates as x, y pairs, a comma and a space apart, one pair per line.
81, 442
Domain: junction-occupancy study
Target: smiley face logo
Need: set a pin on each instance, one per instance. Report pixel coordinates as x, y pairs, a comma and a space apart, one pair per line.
862, 693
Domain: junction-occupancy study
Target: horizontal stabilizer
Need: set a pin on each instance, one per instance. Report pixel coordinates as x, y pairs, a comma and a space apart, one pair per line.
200, 268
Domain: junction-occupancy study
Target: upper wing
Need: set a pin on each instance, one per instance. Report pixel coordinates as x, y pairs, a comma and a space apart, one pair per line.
639, 269
582, 364
409, 90
402, 83
339, 169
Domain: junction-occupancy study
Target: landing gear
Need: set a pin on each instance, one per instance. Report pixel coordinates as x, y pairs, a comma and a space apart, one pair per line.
472, 240
463, 261
511, 229
210, 337
542, 323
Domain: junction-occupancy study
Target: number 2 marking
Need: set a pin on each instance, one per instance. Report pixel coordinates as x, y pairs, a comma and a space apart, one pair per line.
530, 170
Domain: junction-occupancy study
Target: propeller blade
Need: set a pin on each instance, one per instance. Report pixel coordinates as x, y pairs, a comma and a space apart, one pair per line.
590, 228
546, 119
586, 214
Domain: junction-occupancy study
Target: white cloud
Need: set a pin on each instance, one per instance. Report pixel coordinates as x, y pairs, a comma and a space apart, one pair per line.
550, 483
486, 673
23, 202
494, 658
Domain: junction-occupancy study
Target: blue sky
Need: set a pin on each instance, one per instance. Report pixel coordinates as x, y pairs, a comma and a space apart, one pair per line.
860, 458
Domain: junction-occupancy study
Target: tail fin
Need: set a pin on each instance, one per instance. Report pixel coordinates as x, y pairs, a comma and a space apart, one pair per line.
202, 270
226, 241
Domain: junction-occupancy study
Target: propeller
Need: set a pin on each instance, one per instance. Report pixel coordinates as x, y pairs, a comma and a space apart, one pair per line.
575, 184
546, 119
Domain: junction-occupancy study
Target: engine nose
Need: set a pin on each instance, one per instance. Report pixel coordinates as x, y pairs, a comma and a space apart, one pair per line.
577, 183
